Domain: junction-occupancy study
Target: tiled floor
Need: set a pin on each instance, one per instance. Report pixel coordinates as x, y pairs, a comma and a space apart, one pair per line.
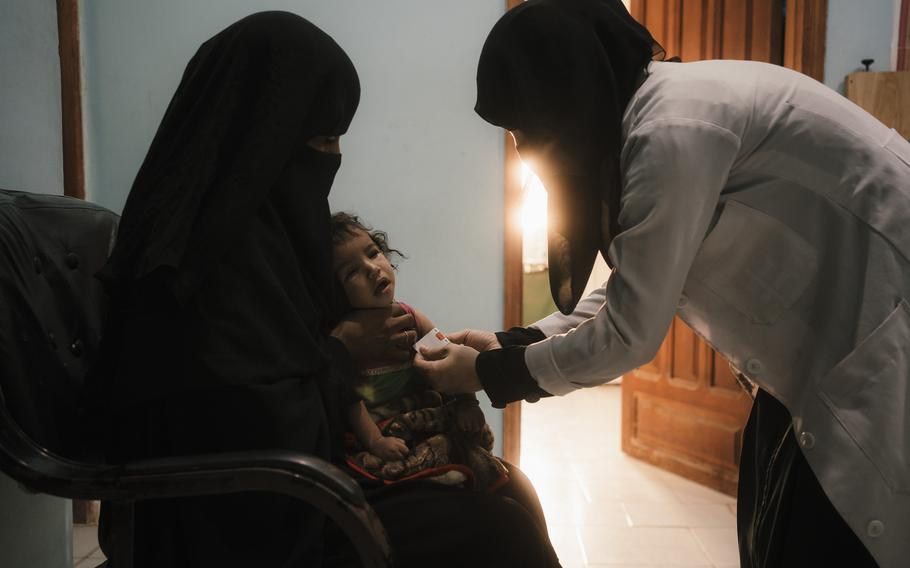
86, 553
608, 510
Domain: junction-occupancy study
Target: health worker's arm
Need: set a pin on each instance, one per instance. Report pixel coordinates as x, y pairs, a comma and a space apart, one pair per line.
675, 170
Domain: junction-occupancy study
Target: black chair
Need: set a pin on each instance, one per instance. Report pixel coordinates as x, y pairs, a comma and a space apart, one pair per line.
51, 311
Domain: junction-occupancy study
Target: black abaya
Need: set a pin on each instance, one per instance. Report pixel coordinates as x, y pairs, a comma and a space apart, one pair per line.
221, 289
783, 517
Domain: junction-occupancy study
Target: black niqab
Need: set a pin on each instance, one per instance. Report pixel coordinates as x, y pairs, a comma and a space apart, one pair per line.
228, 214
562, 72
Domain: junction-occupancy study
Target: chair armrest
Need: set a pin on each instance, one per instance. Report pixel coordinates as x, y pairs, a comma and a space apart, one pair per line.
304, 477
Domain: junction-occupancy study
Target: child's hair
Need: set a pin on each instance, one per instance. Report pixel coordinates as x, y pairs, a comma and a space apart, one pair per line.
345, 225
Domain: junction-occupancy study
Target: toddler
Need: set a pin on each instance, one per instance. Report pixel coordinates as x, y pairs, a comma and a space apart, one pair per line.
404, 429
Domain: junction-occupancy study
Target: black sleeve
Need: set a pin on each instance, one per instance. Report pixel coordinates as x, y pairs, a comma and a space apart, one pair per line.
336, 385
520, 336
469, 399
345, 373
505, 376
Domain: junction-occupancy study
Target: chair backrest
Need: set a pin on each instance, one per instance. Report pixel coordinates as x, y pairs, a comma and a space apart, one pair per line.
51, 312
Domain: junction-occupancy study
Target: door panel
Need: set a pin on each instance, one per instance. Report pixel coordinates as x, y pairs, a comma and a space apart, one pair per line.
715, 29
684, 411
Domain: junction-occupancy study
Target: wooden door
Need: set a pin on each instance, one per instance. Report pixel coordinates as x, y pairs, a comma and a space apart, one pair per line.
684, 411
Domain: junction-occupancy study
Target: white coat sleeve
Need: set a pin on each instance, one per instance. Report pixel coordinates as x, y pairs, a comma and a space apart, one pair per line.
674, 171
587, 308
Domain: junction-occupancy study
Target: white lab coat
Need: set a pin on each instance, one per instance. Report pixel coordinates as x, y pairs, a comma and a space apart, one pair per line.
773, 216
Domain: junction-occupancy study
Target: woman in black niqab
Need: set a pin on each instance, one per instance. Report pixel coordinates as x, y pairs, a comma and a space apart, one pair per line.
561, 72
222, 288
222, 292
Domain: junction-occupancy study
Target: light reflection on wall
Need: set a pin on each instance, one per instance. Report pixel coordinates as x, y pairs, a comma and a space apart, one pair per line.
534, 232
533, 222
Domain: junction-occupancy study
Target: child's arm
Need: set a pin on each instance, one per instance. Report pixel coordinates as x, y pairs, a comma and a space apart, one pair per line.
386, 447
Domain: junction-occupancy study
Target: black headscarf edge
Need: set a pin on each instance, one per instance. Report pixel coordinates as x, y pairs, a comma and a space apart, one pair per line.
249, 96
564, 71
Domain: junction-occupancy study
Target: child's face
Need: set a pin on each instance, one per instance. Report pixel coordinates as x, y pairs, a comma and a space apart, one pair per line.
364, 272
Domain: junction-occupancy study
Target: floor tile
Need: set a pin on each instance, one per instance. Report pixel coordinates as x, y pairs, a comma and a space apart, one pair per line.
85, 541
670, 514
627, 512
581, 512
660, 546
720, 545
690, 492
631, 490
645, 566
565, 539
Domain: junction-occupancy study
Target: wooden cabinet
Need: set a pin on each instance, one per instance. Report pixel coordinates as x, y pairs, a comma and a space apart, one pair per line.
885, 95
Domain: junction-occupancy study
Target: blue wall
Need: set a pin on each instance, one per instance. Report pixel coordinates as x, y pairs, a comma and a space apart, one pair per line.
856, 31
31, 146
417, 162
35, 530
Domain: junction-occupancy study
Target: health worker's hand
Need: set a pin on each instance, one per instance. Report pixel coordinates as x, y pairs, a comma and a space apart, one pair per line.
450, 369
476, 339
377, 334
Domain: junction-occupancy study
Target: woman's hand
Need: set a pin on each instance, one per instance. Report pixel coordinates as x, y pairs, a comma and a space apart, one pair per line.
389, 448
378, 334
476, 339
450, 369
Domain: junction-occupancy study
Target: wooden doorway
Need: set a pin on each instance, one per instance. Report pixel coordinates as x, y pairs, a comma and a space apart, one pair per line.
684, 411
71, 97
84, 512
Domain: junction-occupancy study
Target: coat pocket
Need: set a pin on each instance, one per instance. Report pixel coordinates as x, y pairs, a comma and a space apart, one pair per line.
755, 263
869, 394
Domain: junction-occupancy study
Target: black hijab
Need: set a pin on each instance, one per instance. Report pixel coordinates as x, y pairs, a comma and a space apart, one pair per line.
562, 72
227, 222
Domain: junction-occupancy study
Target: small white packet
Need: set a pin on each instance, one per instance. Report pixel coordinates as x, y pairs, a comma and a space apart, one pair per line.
433, 340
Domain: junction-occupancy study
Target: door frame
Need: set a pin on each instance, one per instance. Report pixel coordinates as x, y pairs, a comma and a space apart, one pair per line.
512, 276
69, 50
71, 97
804, 51
903, 37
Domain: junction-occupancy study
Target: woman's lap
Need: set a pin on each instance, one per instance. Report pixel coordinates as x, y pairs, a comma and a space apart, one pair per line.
438, 527
431, 525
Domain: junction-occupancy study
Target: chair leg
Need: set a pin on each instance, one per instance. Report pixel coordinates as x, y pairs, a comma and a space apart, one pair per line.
121, 534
